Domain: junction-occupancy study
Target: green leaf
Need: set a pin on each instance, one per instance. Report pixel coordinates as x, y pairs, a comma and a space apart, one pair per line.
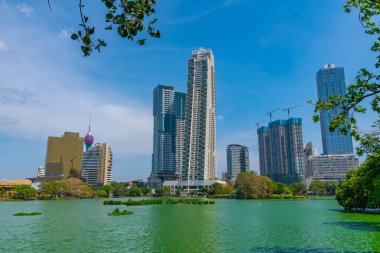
74, 36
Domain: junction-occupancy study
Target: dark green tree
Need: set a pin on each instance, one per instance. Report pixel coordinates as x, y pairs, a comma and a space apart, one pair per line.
162, 191
216, 189
24, 192
299, 188
367, 85
251, 186
134, 192
318, 187
361, 189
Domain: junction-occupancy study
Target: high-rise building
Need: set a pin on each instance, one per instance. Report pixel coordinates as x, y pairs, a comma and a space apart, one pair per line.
64, 156
331, 81
199, 156
97, 165
264, 151
168, 134
237, 161
281, 152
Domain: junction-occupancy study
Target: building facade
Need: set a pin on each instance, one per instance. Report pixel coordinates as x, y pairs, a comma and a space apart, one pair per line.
97, 165
331, 81
168, 134
332, 167
64, 156
281, 152
237, 161
40, 171
264, 150
199, 156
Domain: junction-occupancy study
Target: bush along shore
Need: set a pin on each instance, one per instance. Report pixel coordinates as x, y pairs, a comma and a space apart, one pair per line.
27, 214
117, 212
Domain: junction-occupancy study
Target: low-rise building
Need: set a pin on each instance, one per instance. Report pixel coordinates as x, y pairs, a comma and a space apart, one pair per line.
332, 167
191, 185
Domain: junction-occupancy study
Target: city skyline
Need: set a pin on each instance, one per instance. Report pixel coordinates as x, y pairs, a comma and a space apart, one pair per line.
271, 64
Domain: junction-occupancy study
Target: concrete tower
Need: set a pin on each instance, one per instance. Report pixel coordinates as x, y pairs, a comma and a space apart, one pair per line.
199, 156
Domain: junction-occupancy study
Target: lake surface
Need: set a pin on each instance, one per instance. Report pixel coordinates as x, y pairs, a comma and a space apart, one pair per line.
228, 226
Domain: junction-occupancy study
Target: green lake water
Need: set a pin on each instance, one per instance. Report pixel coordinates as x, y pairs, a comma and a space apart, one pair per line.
228, 226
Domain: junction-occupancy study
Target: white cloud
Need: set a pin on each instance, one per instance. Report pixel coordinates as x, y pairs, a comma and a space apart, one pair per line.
220, 117
44, 94
65, 33
25, 9
14, 96
3, 46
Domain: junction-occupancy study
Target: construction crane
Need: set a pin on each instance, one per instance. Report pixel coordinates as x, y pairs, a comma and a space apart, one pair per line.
288, 109
270, 114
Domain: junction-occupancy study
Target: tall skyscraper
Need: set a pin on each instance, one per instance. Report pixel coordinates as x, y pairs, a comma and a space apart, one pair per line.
199, 156
281, 151
97, 165
237, 160
168, 134
331, 81
64, 157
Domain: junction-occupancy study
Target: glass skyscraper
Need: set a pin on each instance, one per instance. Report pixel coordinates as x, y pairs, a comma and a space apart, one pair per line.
169, 115
237, 160
331, 81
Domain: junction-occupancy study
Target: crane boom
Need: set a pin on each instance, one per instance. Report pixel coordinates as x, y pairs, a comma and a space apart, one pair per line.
288, 109
270, 114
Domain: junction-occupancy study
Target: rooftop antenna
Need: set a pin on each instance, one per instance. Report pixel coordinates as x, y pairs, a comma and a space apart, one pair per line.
288, 109
89, 124
270, 114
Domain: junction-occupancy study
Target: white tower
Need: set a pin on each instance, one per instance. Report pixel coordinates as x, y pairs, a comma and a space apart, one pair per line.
199, 157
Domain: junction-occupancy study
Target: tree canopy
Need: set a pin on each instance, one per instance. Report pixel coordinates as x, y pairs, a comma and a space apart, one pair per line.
361, 189
131, 19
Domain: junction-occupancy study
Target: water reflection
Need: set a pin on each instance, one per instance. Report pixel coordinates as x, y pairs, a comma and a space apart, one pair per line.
292, 250
362, 226
183, 228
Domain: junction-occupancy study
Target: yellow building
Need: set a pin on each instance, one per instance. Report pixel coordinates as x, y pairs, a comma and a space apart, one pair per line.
64, 157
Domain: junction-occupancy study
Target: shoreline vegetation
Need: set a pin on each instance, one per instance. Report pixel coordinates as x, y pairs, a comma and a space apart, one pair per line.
248, 185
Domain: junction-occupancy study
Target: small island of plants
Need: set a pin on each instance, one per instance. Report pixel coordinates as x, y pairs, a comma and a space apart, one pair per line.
189, 201
117, 212
27, 214
131, 202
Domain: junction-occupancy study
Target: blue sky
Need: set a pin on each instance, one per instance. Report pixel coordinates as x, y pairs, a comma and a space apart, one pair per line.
267, 53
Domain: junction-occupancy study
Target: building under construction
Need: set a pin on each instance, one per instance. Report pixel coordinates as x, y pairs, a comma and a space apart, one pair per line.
281, 151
